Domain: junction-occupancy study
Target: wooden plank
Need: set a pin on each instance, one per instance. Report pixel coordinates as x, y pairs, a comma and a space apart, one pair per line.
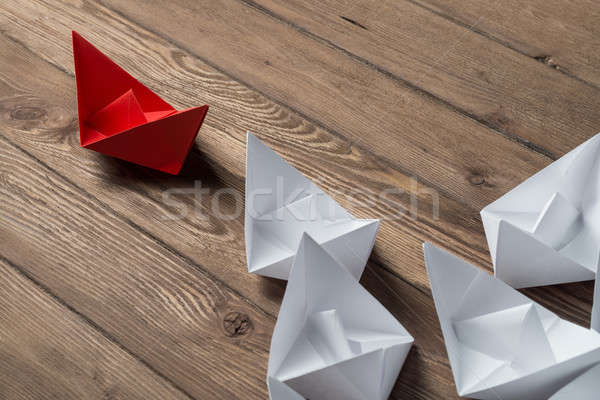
144, 295
235, 109
156, 303
403, 128
48, 351
504, 89
562, 35
38, 113
167, 312
333, 162
398, 124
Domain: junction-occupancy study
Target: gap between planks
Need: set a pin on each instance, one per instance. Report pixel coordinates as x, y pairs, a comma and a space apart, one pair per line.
396, 78
413, 87
164, 244
507, 44
140, 229
22, 272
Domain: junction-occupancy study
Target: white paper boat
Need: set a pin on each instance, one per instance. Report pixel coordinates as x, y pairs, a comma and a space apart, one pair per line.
332, 340
501, 344
547, 230
282, 204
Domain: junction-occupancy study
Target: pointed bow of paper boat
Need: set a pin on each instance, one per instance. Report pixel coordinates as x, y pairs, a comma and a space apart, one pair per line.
501, 344
282, 204
329, 344
546, 231
122, 118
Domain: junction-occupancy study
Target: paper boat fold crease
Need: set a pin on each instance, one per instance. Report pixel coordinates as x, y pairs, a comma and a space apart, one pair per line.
122, 118
332, 340
501, 344
282, 204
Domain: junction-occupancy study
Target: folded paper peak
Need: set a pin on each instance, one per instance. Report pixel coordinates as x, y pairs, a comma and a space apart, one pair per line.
332, 344
121, 117
282, 204
547, 230
501, 344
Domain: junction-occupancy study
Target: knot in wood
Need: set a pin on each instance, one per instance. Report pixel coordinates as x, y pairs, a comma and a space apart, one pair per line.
476, 179
27, 113
237, 324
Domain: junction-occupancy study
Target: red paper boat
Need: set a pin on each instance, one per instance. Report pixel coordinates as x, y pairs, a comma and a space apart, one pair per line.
120, 117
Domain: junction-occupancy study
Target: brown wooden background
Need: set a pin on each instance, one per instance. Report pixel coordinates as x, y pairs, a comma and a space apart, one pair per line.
103, 297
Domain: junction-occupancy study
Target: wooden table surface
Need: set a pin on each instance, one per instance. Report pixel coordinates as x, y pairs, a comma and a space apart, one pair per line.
441, 105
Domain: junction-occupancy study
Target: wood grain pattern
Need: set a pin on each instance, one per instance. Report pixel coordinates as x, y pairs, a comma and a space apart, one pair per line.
166, 311
391, 120
412, 307
48, 351
562, 35
506, 90
350, 107
180, 328
222, 143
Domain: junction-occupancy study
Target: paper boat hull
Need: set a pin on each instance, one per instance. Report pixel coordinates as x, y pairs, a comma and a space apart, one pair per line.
162, 144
